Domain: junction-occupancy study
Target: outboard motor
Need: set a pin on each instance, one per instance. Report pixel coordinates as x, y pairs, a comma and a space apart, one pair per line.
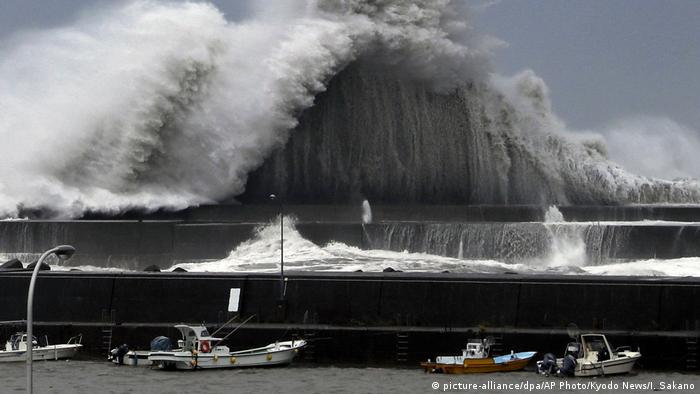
119, 353
568, 367
548, 365
574, 349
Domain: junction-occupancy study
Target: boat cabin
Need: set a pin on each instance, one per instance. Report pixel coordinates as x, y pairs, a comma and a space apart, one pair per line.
475, 349
195, 338
595, 347
18, 341
591, 348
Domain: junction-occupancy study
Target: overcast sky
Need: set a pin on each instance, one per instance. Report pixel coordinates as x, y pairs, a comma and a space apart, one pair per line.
603, 60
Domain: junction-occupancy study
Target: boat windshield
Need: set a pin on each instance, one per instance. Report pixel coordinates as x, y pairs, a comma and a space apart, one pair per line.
596, 347
595, 344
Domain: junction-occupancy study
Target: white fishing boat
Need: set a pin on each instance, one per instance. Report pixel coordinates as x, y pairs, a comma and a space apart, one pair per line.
16, 349
592, 355
197, 349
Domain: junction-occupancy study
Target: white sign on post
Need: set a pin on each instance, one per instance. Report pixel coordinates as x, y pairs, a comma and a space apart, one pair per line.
234, 299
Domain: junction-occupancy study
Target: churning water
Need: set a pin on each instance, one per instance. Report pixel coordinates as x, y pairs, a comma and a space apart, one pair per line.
104, 377
546, 250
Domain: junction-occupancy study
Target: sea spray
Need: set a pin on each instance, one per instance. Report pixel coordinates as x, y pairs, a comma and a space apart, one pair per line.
152, 104
553, 215
489, 143
366, 219
567, 244
366, 213
261, 254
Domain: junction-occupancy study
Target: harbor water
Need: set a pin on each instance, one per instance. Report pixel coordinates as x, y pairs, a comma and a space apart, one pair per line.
57, 377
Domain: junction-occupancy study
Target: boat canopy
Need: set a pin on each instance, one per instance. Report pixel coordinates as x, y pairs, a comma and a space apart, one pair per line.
198, 332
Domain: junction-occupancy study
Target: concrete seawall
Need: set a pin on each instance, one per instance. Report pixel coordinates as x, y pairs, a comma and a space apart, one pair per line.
138, 244
406, 212
437, 310
134, 245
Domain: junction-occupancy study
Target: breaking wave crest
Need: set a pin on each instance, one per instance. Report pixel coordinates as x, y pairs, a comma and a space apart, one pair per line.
159, 104
262, 254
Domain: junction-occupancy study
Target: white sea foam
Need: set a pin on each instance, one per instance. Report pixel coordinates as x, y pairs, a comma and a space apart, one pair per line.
687, 266
262, 254
88, 268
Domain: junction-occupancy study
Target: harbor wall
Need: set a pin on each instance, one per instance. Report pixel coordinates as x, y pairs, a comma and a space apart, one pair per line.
406, 212
526, 311
134, 245
517, 242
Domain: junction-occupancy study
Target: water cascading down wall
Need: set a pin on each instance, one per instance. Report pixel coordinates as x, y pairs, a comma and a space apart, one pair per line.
376, 133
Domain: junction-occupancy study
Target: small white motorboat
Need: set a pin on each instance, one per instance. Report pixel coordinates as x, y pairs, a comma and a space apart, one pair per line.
197, 349
16, 349
592, 355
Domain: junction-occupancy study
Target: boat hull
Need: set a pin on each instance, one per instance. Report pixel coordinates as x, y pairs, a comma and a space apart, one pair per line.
481, 365
53, 352
269, 356
134, 358
609, 367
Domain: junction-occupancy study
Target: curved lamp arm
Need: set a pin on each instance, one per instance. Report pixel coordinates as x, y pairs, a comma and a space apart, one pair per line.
63, 252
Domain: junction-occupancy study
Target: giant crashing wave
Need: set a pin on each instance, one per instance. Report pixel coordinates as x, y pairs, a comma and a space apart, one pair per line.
166, 105
377, 135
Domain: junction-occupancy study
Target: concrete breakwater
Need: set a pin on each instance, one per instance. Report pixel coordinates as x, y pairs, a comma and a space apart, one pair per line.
515, 242
436, 311
136, 244
404, 212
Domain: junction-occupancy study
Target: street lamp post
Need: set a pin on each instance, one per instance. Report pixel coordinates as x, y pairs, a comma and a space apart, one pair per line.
63, 252
281, 210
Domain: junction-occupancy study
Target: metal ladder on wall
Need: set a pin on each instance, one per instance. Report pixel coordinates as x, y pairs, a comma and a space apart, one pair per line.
106, 339
402, 342
691, 353
309, 353
108, 317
